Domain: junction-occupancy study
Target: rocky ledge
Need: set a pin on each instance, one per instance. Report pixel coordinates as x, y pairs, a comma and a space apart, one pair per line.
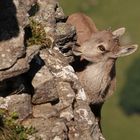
36, 78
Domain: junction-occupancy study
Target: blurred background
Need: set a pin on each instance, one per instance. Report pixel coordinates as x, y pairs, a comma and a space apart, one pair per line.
121, 113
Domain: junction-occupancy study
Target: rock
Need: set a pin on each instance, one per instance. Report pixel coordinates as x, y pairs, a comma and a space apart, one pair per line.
22, 64
24, 3
83, 114
53, 59
48, 129
67, 113
41, 77
20, 67
46, 92
66, 96
59, 130
45, 111
67, 74
20, 104
32, 51
47, 11
11, 50
64, 33
3, 103
23, 6
57, 106
42, 126
59, 14
46, 15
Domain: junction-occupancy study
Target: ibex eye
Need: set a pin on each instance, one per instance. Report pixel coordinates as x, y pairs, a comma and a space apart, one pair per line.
102, 48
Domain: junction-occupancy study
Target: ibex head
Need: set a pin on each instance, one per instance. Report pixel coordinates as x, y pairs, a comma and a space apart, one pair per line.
104, 45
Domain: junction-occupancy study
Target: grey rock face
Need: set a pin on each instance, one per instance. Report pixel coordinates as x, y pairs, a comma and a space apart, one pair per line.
47, 92
20, 104
46, 15
11, 50
64, 33
45, 111
56, 103
22, 8
21, 65
59, 14
42, 76
52, 129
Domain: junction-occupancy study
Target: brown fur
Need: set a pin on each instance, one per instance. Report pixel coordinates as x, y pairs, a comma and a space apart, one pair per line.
84, 26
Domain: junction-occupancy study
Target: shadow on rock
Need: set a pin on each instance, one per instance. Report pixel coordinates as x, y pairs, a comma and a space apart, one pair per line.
8, 22
130, 97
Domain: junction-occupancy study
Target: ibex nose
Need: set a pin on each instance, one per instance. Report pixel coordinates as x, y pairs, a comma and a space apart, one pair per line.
77, 50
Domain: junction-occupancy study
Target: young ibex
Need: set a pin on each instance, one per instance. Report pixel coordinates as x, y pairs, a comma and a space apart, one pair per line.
101, 49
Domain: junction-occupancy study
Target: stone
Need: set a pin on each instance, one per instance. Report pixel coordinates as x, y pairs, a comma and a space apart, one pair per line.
57, 106
20, 104
3, 103
48, 128
41, 125
46, 92
83, 114
46, 15
23, 6
53, 59
41, 76
11, 50
67, 114
59, 14
20, 67
59, 130
67, 74
64, 33
45, 111
66, 96
22, 64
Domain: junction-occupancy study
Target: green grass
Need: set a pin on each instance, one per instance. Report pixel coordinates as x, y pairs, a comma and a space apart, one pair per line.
117, 13
11, 129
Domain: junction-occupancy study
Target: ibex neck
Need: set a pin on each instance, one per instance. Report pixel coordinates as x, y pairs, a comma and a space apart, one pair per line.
97, 76
105, 66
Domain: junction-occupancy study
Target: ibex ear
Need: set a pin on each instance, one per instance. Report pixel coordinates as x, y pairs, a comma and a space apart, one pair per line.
119, 32
124, 51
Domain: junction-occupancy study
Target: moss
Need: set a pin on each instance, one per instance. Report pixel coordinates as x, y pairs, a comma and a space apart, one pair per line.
38, 35
11, 129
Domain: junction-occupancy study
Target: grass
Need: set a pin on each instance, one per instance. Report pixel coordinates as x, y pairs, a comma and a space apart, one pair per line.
117, 125
11, 129
37, 35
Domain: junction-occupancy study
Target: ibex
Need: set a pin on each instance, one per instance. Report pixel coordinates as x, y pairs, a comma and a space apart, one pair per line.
101, 49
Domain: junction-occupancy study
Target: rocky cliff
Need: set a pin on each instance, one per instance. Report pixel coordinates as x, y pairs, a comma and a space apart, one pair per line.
36, 78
